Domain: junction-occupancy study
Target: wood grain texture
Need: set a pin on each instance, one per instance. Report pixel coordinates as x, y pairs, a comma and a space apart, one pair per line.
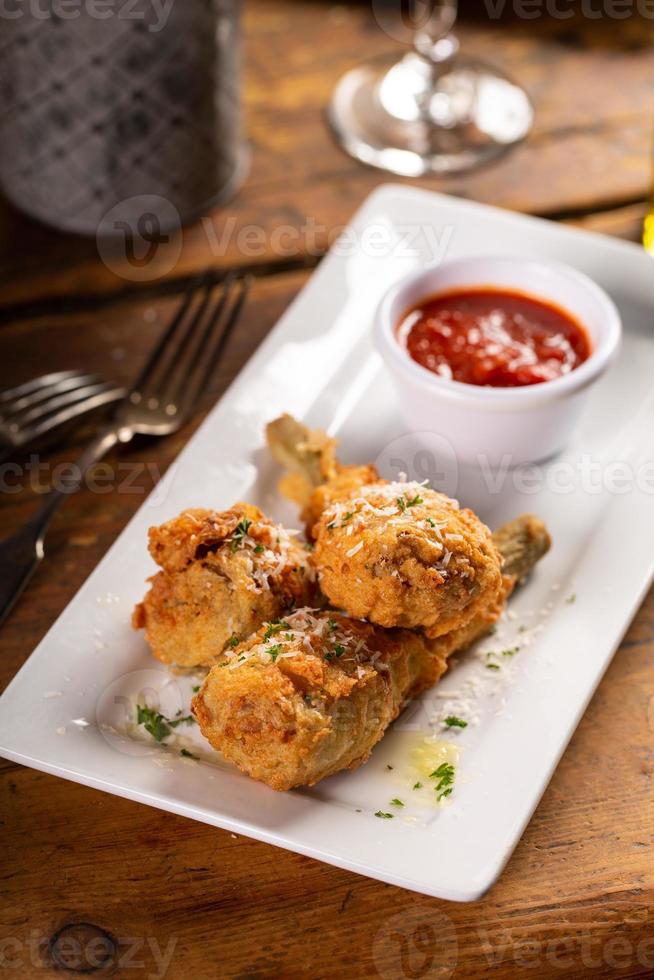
165, 896
592, 83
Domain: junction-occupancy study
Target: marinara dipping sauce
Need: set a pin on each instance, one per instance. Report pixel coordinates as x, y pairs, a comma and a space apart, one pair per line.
493, 337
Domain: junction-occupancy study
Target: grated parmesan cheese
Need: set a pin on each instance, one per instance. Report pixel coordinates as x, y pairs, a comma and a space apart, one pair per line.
305, 630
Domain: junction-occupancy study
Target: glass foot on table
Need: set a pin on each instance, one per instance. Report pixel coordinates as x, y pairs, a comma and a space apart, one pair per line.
410, 119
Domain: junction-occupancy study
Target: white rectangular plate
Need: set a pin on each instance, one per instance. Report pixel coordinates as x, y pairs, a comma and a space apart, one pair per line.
318, 364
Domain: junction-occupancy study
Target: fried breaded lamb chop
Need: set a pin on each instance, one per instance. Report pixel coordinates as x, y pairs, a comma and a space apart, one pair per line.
396, 554
222, 575
312, 694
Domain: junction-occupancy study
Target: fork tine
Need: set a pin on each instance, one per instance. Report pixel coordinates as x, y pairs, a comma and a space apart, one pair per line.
171, 367
162, 351
38, 395
221, 329
9, 394
109, 394
36, 413
197, 341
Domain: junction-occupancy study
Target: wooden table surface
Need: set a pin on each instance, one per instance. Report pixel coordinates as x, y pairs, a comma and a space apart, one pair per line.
185, 900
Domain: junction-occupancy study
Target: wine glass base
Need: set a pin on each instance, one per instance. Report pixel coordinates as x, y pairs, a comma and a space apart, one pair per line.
396, 116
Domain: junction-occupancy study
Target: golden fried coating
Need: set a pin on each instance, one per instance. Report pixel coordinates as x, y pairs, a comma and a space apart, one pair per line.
400, 554
223, 574
310, 695
397, 554
521, 543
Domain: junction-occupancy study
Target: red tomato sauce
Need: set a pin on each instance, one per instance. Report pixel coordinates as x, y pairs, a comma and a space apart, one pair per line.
493, 337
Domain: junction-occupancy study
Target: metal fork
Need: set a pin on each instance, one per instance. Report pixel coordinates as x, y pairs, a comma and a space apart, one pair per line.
159, 402
38, 408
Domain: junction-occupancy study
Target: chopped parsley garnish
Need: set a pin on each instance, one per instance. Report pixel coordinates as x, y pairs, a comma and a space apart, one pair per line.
259, 548
196, 688
276, 626
404, 502
431, 521
339, 650
240, 532
384, 816
153, 722
188, 755
186, 720
510, 652
274, 651
445, 776
396, 802
492, 666
330, 527
571, 598
233, 641
332, 625
308, 546
346, 518
417, 785
453, 722
157, 724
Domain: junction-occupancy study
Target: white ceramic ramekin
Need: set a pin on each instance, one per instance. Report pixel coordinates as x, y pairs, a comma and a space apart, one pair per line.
497, 426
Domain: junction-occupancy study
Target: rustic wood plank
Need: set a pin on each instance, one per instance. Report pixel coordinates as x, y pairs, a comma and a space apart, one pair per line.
575, 899
114, 343
626, 222
591, 148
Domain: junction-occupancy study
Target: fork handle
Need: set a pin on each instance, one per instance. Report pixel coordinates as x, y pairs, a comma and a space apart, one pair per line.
21, 553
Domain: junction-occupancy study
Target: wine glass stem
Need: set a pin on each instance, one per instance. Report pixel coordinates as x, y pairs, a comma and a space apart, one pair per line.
434, 40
